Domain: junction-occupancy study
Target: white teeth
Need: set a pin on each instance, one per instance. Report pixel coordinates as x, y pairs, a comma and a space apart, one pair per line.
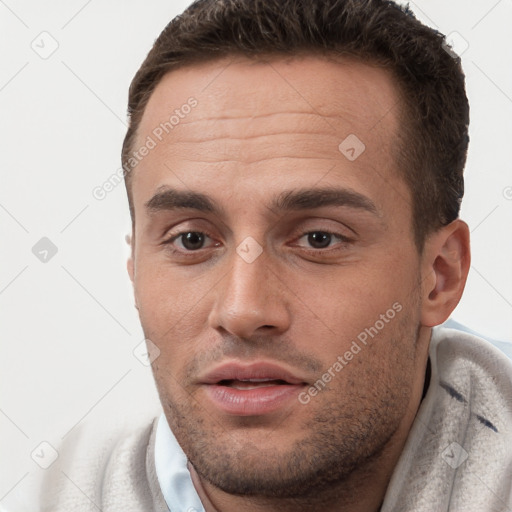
262, 384
246, 384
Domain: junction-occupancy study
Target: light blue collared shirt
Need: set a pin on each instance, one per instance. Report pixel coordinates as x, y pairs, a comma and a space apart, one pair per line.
172, 472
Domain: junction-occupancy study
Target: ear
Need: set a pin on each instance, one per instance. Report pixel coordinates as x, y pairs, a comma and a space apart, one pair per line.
445, 266
129, 263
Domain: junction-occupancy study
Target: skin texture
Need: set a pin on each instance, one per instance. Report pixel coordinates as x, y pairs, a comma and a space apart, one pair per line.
261, 129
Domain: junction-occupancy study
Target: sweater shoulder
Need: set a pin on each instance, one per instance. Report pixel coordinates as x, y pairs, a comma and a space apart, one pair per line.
108, 469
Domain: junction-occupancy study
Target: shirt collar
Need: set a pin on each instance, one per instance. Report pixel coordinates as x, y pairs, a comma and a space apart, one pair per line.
172, 472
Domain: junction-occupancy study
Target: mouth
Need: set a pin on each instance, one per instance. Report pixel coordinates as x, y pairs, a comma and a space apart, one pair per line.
251, 383
251, 389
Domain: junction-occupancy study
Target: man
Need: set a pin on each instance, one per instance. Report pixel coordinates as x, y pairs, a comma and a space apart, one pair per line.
294, 174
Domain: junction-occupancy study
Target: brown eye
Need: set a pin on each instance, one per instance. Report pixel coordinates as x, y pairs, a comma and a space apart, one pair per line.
192, 240
319, 239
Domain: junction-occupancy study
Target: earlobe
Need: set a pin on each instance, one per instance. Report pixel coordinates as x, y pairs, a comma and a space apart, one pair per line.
445, 263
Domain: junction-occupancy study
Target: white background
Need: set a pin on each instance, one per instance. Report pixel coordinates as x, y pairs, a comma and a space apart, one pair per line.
68, 326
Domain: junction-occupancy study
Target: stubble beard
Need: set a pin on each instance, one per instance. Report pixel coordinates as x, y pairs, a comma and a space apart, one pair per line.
343, 437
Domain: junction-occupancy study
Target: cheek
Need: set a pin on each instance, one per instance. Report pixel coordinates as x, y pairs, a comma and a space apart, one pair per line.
349, 306
174, 320
349, 302
166, 299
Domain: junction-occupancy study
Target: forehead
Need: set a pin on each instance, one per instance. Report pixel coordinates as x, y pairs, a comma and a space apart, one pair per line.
280, 119
343, 89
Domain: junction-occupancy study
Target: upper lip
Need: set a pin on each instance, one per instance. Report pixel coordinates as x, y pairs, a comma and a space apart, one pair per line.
250, 371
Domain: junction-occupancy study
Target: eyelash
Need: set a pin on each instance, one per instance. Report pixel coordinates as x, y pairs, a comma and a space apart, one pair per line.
175, 236
343, 241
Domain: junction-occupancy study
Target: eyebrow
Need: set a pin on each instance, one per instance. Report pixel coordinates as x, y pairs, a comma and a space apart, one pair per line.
303, 199
306, 199
172, 199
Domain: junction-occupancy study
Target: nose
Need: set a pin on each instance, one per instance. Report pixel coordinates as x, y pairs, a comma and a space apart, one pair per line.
250, 299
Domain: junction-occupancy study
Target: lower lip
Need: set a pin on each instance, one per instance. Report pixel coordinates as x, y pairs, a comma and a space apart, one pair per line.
252, 402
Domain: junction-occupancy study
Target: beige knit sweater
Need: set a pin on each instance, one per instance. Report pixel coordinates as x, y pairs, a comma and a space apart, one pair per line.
457, 458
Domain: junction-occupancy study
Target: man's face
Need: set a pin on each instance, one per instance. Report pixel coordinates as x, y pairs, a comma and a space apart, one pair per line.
276, 270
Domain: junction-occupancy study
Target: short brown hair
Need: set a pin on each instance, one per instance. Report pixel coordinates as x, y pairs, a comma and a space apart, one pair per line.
432, 147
